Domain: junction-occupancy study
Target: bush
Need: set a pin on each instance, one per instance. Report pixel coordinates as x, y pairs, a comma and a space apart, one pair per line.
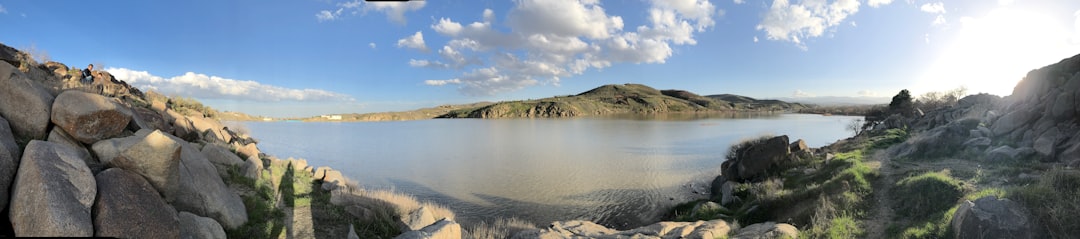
936, 100
1053, 202
927, 194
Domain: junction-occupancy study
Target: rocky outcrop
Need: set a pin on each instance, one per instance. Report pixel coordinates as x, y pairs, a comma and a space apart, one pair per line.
222, 158
195, 227
201, 190
1041, 113
143, 118
127, 206
767, 230
753, 159
24, 103
88, 117
990, 217
252, 168
52, 193
210, 130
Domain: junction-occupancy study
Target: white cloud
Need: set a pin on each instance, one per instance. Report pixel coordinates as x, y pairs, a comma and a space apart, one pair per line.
878, 3
213, 87
804, 19
416, 41
937, 7
372, 45
755, 39
940, 20
867, 93
395, 11
2, 9
1005, 2
801, 94
739, 1
546, 41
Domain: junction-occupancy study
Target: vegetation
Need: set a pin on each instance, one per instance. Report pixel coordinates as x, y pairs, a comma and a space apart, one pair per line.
499, 229
926, 194
937, 100
1053, 202
902, 104
188, 106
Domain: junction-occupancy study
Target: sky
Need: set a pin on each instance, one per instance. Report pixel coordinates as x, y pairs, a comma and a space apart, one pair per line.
311, 57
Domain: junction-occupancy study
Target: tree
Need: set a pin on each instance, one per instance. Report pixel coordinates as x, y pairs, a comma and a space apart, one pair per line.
901, 103
856, 126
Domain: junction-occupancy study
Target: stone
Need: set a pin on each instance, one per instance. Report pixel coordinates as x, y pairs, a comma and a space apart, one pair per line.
252, 168
320, 172
1003, 152
9, 161
57, 135
222, 158
333, 179
767, 230
211, 129
990, 217
298, 164
202, 192
127, 206
247, 150
182, 126
352, 233
24, 103
1011, 121
143, 118
420, 218
1046, 143
443, 229
754, 159
156, 157
88, 117
195, 227
978, 142
727, 193
52, 193
586, 229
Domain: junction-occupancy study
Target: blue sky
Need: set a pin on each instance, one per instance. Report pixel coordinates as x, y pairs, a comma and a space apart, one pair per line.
309, 57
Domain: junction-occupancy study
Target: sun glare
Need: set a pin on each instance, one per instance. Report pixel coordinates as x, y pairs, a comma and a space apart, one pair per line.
990, 54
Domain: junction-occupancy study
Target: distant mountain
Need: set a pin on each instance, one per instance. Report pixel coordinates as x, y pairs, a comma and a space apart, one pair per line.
618, 99
838, 100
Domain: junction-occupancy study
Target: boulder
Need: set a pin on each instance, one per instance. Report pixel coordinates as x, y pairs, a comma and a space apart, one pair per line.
127, 206
52, 193
419, 218
1046, 143
755, 158
990, 217
202, 192
320, 173
727, 193
298, 164
443, 229
24, 103
799, 150
977, 144
247, 150
182, 126
9, 161
88, 117
767, 230
195, 227
211, 130
1001, 153
252, 168
222, 158
156, 157
586, 229
143, 118
333, 179
1012, 121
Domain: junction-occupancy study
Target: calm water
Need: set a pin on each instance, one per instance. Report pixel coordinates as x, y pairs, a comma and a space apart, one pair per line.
618, 171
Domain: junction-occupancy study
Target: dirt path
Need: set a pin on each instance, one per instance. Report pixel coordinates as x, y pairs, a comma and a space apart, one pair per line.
882, 214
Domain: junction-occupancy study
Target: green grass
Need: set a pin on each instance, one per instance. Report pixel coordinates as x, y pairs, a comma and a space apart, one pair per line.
1054, 202
926, 194
264, 219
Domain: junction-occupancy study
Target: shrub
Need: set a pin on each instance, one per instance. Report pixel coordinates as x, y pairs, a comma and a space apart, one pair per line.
500, 228
927, 194
1053, 202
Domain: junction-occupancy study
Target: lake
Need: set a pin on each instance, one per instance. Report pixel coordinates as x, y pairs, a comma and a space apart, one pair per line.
618, 171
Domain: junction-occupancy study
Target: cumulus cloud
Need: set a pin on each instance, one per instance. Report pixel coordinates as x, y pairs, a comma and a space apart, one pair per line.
548, 40
415, 41
937, 7
213, 87
795, 22
395, 11
878, 3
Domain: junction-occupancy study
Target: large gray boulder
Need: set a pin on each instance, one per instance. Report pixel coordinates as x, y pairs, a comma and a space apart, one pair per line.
443, 229
156, 157
89, 117
25, 103
127, 206
222, 158
182, 126
210, 129
252, 168
202, 192
9, 161
1002, 153
143, 118
195, 227
755, 158
990, 217
52, 193
1012, 121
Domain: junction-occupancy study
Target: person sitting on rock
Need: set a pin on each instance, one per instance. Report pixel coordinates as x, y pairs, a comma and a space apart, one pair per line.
87, 77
